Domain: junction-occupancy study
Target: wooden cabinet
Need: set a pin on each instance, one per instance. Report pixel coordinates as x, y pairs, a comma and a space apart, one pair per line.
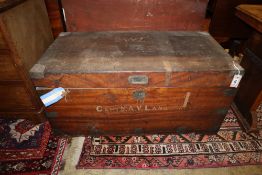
249, 96
224, 24
24, 35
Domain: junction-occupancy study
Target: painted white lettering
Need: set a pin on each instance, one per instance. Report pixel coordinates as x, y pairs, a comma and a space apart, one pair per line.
99, 109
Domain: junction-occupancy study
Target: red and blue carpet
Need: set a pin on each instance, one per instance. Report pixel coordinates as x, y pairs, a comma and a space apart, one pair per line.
48, 165
229, 147
21, 139
28, 149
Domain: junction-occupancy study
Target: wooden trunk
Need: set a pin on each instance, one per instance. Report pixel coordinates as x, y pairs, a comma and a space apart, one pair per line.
137, 82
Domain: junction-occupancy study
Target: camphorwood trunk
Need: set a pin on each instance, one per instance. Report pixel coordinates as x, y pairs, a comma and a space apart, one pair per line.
126, 83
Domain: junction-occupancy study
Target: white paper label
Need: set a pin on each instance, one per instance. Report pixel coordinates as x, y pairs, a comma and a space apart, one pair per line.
236, 80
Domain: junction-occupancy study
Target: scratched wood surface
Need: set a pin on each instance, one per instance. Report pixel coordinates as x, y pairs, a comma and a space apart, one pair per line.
188, 75
104, 52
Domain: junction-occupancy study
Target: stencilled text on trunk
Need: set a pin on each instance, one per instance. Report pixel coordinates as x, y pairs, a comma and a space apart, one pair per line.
141, 107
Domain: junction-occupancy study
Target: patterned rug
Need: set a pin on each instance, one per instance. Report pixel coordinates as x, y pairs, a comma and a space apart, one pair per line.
48, 165
229, 147
21, 139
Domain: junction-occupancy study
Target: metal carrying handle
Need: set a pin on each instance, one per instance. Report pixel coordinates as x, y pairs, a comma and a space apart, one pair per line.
138, 79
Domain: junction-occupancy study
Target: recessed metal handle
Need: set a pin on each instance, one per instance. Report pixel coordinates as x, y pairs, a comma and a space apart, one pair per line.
138, 79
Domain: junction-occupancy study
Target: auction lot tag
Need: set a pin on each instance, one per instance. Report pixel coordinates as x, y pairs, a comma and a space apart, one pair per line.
236, 80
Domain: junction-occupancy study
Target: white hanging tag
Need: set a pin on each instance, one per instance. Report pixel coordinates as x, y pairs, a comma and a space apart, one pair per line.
236, 80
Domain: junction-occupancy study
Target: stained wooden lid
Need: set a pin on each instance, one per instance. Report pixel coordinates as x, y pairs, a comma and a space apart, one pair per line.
101, 52
7, 4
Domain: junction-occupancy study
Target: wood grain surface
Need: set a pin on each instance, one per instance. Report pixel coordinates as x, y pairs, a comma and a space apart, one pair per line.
120, 80
105, 15
30, 32
117, 111
7, 4
54, 10
24, 35
251, 14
